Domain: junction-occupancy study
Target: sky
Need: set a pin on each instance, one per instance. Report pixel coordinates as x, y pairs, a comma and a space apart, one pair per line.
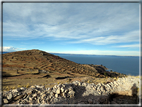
73, 28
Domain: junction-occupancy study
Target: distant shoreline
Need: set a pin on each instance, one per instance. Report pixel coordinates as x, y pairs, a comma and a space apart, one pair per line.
106, 60
82, 55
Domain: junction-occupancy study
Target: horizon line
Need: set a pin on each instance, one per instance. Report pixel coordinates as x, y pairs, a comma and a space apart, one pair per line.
77, 53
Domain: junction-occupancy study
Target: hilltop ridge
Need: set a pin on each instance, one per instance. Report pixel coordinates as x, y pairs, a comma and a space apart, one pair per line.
41, 60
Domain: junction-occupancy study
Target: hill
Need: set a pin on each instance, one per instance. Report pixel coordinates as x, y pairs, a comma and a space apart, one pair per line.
43, 61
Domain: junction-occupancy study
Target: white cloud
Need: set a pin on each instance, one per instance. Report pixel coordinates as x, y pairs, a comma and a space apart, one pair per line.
129, 46
92, 23
99, 52
132, 36
69, 20
10, 49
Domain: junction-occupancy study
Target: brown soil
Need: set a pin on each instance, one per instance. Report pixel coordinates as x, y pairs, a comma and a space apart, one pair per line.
25, 80
21, 68
36, 59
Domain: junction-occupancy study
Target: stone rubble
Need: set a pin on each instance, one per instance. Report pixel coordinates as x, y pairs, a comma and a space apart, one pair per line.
73, 93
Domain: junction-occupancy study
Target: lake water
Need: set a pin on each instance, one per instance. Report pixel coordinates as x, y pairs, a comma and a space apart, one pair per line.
122, 64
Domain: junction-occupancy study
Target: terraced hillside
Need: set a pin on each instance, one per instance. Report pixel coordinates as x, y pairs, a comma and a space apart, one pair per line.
40, 60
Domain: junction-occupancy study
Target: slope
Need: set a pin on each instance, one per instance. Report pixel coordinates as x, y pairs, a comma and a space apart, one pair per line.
41, 60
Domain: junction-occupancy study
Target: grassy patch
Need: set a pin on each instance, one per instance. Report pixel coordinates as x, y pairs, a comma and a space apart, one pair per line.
9, 74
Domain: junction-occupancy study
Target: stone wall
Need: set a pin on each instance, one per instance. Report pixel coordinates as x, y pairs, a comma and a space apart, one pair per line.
75, 93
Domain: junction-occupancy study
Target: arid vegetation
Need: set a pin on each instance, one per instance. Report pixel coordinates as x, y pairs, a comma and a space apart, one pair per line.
40, 60
38, 67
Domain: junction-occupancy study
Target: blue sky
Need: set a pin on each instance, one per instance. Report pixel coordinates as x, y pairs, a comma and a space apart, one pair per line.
76, 28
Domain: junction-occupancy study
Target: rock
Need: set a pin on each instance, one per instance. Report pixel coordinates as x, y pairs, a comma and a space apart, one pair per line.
55, 86
51, 94
98, 88
62, 89
89, 86
102, 88
9, 97
22, 88
71, 93
18, 97
14, 90
68, 92
115, 82
58, 91
33, 87
77, 83
30, 98
34, 95
5, 101
90, 101
28, 91
40, 86
43, 95
38, 101
84, 84
64, 95
56, 95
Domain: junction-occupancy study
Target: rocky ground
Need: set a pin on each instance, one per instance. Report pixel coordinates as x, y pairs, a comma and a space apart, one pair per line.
123, 91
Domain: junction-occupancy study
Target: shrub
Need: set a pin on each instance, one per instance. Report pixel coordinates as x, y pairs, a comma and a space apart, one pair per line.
88, 81
19, 86
116, 78
69, 80
105, 74
7, 88
13, 87
28, 85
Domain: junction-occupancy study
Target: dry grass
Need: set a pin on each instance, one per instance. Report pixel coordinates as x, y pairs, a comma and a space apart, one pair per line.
11, 73
23, 78
37, 79
138, 76
28, 78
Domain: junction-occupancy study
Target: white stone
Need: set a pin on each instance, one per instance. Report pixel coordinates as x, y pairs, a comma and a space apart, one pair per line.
34, 95
30, 98
5, 101
71, 93
64, 95
62, 89
102, 88
22, 88
43, 96
14, 90
39, 86
33, 86
58, 91
66, 90
55, 86
84, 84
76, 83
56, 95
9, 97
